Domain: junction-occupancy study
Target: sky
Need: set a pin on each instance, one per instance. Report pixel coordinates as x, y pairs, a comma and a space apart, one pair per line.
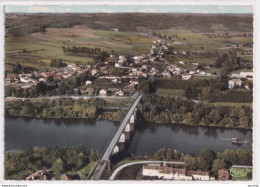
130, 8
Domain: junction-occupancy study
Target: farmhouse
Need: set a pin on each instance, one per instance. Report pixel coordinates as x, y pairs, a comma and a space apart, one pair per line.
186, 76
119, 93
103, 92
234, 82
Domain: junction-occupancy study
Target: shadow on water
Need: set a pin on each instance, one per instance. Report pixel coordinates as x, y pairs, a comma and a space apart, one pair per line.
211, 132
190, 130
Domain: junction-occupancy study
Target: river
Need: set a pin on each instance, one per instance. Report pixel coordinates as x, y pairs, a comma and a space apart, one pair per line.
21, 133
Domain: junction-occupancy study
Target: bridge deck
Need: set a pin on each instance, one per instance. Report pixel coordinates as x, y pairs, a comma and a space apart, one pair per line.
102, 163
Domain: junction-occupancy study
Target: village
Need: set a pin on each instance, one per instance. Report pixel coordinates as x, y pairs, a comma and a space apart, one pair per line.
127, 72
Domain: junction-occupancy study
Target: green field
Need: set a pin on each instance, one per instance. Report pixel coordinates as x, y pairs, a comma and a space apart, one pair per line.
41, 51
170, 92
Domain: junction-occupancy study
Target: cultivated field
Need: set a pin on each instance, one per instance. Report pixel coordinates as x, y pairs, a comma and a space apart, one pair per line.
130, 173
36, 50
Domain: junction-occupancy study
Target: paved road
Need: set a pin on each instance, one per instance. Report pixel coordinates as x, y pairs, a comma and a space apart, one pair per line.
112, 177
66, 97
239, 166
108, 151
160, 50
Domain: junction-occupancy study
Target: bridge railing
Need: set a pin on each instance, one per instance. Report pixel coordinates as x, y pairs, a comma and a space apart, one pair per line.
104, 151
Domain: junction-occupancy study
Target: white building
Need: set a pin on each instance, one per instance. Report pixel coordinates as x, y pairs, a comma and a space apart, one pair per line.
103, 92
164, 172
88, 82
233, 82
186, 76
119, 93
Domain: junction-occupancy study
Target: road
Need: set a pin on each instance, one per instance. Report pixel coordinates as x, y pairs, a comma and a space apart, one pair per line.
112, 177
66, 97
160, 50
108, 151
239, 166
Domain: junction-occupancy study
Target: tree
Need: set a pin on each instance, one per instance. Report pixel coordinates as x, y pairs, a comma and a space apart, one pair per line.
218, 164
40, 88
58, 166
208, 155
202, 164
176, 154
190, 162
169, 154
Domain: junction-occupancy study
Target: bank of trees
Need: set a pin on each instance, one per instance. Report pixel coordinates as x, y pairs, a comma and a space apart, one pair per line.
59, 108
19, 165
229, 61
65, 108
159, 109
96, 53
57, 63
206, 159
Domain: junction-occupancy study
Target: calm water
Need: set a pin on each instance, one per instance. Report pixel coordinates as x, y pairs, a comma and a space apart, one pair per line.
21, 133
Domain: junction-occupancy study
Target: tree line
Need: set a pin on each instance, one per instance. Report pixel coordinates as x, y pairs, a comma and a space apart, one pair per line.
159, 109
65, 108
19, 165
206, 159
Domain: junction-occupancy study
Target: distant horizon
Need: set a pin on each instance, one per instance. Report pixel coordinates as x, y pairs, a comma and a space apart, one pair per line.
186, 9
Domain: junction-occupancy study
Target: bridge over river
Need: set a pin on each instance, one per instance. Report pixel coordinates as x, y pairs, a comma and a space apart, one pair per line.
118, 140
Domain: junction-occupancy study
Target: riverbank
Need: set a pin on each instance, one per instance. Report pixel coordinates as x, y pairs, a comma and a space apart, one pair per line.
153, 108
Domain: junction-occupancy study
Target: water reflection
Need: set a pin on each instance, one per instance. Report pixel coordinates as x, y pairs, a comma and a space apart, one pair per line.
147, 138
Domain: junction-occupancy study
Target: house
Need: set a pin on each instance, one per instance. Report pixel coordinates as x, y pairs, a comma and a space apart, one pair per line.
94, 71
186, 76
245, 74
223, 175
114, 81
43, 174
46, 74
192, 72
249, 77
129, 88
247, 86
121, 57
88, 82
144, 74
165, 172
119, 93
234, 82
134, 81
103, 92
166, 73
11, 78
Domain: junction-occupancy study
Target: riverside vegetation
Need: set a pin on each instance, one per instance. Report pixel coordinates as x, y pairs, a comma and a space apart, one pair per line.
74, 161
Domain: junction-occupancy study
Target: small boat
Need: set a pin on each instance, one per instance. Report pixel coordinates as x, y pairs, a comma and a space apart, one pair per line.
239, 141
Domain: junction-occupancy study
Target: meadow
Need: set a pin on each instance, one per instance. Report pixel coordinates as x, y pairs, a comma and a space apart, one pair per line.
41, 48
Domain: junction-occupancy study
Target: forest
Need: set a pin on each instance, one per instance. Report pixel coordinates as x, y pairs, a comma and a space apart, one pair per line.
65, 108
159, 109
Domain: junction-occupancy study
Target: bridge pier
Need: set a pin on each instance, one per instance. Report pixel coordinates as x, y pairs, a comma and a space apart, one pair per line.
117, 143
